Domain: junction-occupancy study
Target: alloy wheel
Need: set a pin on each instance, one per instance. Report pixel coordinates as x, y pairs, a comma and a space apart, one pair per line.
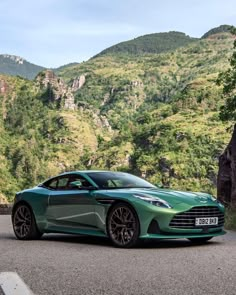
122, 225
22, 221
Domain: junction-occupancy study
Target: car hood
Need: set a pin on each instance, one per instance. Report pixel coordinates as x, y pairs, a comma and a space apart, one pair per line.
176, 197
171, 196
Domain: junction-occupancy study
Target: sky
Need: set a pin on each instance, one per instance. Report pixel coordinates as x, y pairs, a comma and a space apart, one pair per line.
52, 33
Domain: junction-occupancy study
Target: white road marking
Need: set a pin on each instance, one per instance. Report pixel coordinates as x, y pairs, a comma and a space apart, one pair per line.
12, 284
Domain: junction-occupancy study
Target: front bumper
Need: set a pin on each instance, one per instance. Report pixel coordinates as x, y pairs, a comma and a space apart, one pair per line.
156, 223
182, 236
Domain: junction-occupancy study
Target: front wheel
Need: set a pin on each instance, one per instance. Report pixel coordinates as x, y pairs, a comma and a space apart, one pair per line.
24, 224
123, 226
200, 240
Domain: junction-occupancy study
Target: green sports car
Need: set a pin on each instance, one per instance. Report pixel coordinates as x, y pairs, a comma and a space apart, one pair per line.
119, 205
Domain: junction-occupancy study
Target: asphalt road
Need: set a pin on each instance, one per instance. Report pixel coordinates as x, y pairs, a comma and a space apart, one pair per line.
61, 264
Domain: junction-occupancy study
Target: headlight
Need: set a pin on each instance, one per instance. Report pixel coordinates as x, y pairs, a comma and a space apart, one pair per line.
154, 201
214, 199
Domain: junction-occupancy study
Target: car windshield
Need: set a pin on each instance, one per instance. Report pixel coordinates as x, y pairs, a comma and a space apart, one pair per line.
111, 180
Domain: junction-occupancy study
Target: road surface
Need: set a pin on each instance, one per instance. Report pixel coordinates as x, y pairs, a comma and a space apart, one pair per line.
61, 264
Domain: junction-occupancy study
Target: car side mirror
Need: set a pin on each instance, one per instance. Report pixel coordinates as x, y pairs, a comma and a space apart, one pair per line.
76, 184
79, 186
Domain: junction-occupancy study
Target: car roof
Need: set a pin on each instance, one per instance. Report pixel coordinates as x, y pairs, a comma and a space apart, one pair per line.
89, 171
76, 172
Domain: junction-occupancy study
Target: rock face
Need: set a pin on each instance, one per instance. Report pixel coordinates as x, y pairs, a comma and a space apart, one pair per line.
3, 87
78, 83
101, 121
16, 59
226, 180
60, 91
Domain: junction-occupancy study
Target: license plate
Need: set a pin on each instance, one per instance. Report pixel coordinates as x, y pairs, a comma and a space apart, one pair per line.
206, 221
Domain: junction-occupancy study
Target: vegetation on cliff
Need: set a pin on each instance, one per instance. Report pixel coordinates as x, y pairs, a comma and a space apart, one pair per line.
217, 30
154, 114
152, 43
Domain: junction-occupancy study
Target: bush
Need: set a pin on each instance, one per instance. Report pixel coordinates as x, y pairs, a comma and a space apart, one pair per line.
230, 219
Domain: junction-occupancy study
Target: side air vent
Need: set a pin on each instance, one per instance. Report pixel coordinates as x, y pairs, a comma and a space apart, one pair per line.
153, 227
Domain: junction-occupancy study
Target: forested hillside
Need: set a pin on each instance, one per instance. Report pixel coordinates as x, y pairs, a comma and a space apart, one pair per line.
152, 43
218, 30
154, 114
17, 66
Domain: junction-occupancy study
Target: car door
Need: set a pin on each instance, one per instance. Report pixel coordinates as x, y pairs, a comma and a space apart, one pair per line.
69, 205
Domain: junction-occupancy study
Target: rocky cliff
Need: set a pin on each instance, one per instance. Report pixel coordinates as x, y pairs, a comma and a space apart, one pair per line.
57, 89
226, 182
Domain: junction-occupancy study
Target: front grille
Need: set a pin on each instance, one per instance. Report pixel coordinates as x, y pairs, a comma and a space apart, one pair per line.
187, 219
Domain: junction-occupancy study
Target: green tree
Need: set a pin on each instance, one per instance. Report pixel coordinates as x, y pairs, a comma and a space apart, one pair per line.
228, 80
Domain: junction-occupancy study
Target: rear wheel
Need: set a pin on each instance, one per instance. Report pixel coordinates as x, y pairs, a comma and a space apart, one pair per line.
200, 240
24, 224
123, 226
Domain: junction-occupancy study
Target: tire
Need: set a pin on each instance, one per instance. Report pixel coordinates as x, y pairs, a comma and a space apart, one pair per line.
123, 226
24, 224
200, 240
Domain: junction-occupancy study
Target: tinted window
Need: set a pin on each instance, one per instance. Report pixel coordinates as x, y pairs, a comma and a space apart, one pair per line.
53, 184
118, 180
62, 183
66, 182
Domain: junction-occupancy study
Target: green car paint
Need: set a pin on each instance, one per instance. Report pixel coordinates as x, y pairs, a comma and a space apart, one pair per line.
85, 210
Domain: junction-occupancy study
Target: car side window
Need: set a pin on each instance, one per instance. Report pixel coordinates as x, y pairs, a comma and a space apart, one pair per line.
69, 182
62, 183
82, 182
53, 184
114, 183
50, 184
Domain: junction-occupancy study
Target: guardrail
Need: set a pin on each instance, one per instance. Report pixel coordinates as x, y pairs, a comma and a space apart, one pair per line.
5, 209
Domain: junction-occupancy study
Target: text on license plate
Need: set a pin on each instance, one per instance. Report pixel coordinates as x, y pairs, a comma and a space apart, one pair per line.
206, 221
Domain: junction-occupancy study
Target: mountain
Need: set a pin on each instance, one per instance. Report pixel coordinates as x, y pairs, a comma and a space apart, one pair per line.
17, 66
154, 115
217, 30
56, 70
164, 109
152, 43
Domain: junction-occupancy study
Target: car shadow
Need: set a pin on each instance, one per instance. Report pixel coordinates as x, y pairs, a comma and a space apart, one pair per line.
77, 239
143, 244
173, 243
